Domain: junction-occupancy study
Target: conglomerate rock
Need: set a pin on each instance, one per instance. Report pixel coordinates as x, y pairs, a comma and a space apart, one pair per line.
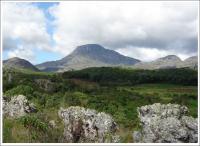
86, 125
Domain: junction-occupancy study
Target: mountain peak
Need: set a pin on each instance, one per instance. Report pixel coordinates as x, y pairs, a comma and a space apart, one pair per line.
192, 58
19, 63
88, 48
170, 57
89, 55
15, 58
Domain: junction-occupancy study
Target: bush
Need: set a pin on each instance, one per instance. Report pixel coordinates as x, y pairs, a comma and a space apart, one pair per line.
37, 128
21, 89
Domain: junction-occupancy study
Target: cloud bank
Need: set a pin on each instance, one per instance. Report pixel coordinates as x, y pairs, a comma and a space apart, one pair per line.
24, 30
144, 30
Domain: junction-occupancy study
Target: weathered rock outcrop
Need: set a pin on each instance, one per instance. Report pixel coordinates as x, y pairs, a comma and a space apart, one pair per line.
168, 123
17, 106
86, 125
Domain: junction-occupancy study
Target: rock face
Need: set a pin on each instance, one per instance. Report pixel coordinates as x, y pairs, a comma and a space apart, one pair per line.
166, 124
18, 106
86, 125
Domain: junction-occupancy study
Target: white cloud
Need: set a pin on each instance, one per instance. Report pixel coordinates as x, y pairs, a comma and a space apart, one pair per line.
24, 25
165, 26
21, 52
144, 30
150, 54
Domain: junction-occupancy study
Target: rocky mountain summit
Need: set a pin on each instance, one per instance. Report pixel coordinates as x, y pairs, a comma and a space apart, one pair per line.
19, 63
89, 55
168, 123
17, 106
86, 126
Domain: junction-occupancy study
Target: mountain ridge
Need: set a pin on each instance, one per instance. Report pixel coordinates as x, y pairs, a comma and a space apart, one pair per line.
94, 55
89, 55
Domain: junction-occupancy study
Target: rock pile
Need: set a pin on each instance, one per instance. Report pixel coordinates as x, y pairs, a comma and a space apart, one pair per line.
18, 106
86, 125
168, 123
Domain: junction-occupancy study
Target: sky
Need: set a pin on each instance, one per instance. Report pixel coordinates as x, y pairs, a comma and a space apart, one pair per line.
46, 31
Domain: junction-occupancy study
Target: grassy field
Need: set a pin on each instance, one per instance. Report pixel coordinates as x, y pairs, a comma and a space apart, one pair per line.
117, 99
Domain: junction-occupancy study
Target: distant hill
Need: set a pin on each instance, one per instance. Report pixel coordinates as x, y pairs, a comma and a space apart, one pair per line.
191, 62
19, 63
170, 61
90, 55
94, 55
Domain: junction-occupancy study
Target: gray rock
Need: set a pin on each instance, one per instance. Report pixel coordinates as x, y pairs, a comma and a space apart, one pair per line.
52, 124
166, 123
137, 136
18, 106
86, 125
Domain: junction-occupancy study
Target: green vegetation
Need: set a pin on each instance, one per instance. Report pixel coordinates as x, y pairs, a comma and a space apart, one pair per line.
115, 91
112, 76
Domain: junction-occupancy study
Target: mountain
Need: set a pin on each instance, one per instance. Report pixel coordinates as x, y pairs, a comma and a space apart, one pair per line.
19, 64
89, 55
170, 61
191, 62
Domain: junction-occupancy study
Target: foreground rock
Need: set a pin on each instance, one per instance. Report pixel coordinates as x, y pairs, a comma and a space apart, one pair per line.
166, 124
86, 125
17, 106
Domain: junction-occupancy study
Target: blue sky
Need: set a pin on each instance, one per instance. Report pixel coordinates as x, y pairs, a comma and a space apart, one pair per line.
45, 6
42, 55
31, 31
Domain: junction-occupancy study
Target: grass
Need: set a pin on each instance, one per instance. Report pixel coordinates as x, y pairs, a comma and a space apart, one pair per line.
117, 99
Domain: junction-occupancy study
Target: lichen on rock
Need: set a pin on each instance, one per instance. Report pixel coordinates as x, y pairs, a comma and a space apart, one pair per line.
166, 123
86, 125
17, 106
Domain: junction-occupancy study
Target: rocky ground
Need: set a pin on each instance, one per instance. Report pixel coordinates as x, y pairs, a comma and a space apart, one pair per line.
160, 123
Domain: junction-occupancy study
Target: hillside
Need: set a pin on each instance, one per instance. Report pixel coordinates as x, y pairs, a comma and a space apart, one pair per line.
115, 91
19, 63
90, 55
191, 62
170, 61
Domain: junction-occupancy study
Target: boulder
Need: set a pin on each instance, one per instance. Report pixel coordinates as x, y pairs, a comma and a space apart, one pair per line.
166, 123
87, 125
17, 106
